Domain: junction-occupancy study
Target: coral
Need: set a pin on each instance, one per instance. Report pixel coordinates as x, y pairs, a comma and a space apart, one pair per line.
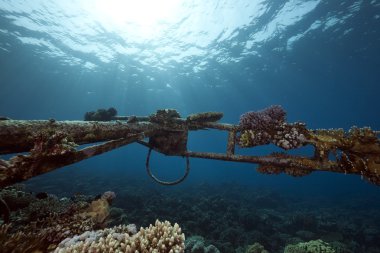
317, 246
116, 217
295, 169
205, 117
196, 244
51, 143
268, 118
160, 238
109, 196
44, 234
198, 247
98, 210
101, 115
164, 116
340, 247
256, 248
284, 135
19, 242
46, 222
269, 126
211, 249
16, 199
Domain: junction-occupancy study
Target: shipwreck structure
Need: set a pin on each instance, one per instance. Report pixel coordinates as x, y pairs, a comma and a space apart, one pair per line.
40, 146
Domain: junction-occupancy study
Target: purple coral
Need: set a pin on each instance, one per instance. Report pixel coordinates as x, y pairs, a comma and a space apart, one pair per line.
268, 118
269, 126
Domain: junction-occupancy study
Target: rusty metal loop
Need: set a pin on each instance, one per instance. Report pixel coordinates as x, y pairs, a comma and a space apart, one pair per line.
4, 210
166, 182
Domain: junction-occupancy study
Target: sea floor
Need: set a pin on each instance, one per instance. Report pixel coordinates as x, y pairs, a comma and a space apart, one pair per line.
230, 216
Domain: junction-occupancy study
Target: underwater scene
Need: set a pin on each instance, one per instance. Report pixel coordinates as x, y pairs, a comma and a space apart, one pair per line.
190, 126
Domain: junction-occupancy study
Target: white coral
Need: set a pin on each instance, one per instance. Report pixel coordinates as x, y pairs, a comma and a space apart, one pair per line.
160, 238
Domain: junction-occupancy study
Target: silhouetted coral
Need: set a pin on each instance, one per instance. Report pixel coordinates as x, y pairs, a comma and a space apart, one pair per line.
100, 115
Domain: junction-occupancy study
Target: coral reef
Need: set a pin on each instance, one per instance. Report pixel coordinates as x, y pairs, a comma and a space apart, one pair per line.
40, 222
47, 221
231, 216
161, 237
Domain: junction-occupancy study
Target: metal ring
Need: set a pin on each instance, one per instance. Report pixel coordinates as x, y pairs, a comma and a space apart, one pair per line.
165, 182
4, 210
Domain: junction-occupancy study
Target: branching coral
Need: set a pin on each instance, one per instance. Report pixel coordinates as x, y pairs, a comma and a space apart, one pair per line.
160, 238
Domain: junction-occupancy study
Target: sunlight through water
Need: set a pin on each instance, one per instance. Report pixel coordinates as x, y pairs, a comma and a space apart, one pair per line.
146, 18
168, 35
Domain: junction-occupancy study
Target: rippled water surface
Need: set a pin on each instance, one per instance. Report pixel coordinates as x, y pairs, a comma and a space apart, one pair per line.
175, 36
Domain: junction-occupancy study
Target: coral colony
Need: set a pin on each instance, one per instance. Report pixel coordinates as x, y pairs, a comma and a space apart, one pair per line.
269, 126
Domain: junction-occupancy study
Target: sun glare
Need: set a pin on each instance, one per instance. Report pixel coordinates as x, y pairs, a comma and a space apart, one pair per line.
146, 16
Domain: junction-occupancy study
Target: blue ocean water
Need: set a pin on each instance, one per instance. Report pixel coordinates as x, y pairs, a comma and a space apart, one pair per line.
318, 59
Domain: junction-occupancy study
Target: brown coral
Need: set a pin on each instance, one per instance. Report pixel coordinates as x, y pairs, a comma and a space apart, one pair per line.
45, 227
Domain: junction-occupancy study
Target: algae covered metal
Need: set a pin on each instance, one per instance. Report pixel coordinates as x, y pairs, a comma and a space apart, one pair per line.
53, 144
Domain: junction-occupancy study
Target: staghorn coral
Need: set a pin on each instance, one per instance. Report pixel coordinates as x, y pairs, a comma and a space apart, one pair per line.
19, 242
160, 238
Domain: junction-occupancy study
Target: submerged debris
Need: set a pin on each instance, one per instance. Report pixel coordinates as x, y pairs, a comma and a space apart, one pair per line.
54, 144
205, 117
